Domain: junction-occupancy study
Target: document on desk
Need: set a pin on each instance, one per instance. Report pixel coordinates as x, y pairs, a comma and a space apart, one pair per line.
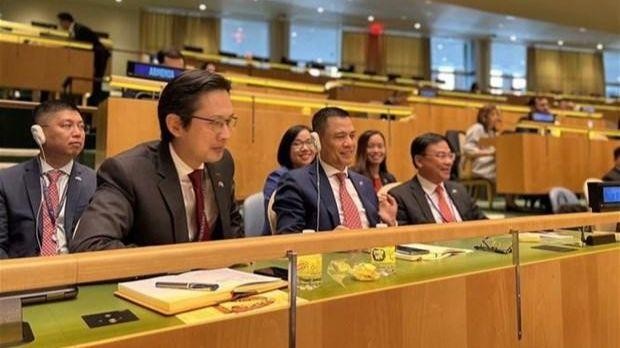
229, 283
431, 252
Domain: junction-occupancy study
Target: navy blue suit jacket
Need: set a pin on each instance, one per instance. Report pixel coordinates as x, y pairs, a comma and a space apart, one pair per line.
20, 199
296, 200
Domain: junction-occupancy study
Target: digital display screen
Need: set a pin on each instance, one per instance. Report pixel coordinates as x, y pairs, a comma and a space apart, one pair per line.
152, 71
428, 92
611, 194
541, 117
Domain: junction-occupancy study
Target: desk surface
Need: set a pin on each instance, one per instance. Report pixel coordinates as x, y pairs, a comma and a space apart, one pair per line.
60, 324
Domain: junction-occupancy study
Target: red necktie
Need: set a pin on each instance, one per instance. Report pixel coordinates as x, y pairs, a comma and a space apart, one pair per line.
50, 213
349, 209
444, 208
202, 225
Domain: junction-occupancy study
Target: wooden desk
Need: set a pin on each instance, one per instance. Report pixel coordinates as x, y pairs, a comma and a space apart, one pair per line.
45, 68
533, 164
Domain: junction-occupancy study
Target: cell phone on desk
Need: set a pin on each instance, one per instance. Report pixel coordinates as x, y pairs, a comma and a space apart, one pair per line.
277, 272
404, 249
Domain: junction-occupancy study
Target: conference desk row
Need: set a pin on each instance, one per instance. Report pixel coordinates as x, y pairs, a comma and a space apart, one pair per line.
560, 295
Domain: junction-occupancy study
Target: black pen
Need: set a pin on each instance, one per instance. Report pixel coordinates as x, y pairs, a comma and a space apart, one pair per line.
187, 286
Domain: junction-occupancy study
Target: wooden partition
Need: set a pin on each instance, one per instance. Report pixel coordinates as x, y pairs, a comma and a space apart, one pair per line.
255, 139
533, 164
41, 67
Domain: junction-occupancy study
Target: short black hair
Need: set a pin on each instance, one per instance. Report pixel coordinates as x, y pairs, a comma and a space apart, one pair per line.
181, 96
420, 143
170, 53
65, 16
284, 150
319, 120
616, 153
50, 107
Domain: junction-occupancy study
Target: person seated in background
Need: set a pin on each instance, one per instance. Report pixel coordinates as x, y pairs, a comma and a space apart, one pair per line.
326, 195
370, 159
171, 58
42, 199
614, 173
430, 197
209, 66
101, 54
179, 189
295, 151
539, 112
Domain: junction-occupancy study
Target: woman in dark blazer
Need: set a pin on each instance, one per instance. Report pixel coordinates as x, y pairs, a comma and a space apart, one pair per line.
370, 159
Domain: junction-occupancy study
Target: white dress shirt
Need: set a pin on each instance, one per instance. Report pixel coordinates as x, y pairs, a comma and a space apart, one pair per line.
63, 180
335, 185
189, 200
432, 198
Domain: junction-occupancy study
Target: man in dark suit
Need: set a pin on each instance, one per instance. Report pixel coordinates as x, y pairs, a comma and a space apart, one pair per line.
430, 197
340, 197
101, 54
176, 190
614, 173
42, 199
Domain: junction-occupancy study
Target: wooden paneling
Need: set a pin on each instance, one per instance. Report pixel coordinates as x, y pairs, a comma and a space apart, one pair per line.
44, 68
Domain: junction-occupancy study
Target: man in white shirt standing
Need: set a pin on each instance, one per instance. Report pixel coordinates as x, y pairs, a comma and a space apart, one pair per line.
326, 195
429, 197
42, 199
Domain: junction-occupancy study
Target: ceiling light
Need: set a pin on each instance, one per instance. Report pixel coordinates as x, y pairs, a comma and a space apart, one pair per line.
320, 9
371, 18
202, 7
510, 18
417, 25
513, 38
582, 30
560, 43
599, 46
119, 1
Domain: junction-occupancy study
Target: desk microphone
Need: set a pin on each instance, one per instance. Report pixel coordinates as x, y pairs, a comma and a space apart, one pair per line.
316, 141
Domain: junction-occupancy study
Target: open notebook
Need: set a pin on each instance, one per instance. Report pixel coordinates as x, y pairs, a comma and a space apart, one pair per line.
232, 284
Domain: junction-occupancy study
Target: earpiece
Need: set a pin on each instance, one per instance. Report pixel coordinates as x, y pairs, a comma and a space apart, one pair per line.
37, 134
316, 141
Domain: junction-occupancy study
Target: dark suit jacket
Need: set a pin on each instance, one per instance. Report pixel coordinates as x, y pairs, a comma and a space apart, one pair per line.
84, 33
413, 208
20, 199
386, 178
296, 200
612, 175
139, 202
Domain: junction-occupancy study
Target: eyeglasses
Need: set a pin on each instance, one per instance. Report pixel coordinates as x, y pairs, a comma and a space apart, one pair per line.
299, 144
217, 125
442, 155
489, 245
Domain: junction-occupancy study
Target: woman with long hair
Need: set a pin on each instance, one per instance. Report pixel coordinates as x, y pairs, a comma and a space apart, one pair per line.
370, 159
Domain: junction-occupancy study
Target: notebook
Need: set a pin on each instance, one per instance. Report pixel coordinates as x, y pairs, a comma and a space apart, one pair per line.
231, 284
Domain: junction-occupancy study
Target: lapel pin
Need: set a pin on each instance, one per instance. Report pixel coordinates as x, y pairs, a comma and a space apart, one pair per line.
361, 183
220, 184
78, 178
454, 191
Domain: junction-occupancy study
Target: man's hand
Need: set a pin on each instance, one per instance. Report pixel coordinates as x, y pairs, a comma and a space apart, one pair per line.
387, 209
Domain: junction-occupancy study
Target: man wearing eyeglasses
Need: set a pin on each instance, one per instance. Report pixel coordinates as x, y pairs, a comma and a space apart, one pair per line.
430, 197
176, 190
42, 199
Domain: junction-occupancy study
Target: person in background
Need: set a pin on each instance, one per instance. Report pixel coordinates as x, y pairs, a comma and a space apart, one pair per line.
614, 173
295, 151
540, 112
429, 197
171, 58
42, 199
81, 32
209, 66
483, 157
370, 159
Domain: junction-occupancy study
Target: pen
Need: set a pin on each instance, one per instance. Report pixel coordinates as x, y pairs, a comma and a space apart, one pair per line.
187, 286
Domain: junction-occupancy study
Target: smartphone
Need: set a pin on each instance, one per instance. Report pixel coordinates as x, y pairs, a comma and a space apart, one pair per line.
277, 272
404, 249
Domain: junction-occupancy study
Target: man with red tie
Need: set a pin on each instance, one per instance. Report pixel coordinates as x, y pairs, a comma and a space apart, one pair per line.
42, 199
430, 197
176, 190
325, 194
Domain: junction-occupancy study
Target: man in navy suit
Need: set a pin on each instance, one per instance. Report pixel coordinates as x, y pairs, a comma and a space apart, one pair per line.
340, 197
430, 197
42, 199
